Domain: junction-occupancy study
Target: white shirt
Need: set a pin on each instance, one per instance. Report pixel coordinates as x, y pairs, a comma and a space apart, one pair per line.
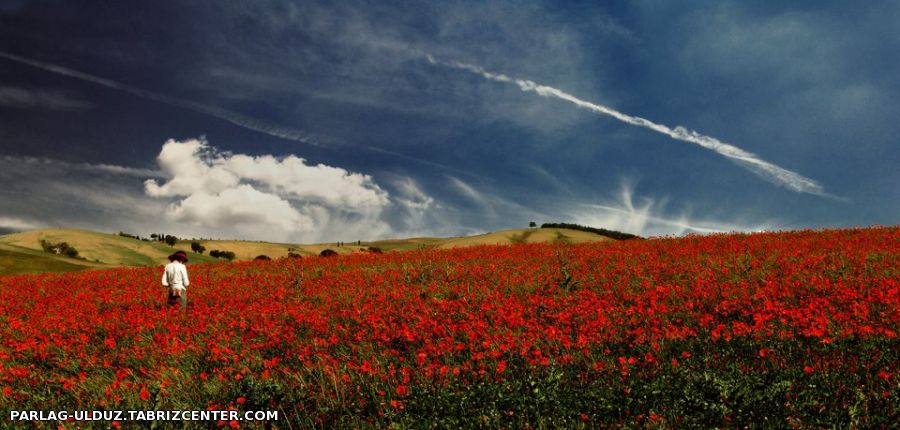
175, 275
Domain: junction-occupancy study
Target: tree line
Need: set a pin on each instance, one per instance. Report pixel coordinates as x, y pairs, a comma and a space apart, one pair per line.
618, 235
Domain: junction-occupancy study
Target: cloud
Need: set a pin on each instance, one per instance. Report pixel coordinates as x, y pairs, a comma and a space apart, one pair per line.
468, 190
413, 198
49, 163
491, 210
766, 170
46, 192
17, 224
25, 98
234, 196
266, 196
235, 118
647, 217
343, 60
240, 206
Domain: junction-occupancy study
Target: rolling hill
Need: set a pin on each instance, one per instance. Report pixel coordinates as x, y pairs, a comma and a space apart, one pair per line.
96, 249
529, 235
23, 253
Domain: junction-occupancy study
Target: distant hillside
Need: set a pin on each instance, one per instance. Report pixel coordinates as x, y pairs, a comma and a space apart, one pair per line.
105, 250
528, 235
22, 252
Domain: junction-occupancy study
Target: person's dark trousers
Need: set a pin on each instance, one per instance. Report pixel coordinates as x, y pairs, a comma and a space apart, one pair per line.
179, 299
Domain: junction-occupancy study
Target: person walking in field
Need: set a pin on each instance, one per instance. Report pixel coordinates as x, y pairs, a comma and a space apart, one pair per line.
175, 276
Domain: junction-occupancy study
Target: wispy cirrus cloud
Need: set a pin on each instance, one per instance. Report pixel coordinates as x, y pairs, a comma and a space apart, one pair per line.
29, 98
41, 163
235, 118
648, 216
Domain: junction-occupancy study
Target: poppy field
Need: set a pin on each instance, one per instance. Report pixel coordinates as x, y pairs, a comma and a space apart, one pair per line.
773, 330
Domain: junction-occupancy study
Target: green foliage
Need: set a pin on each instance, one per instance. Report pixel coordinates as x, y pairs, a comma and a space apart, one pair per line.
197, 247
719, 385
130, 236
263, 257
61, 248
618, 235
228, 255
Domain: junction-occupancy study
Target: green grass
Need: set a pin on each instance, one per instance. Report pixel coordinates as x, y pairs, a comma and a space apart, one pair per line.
12, 262
128, 256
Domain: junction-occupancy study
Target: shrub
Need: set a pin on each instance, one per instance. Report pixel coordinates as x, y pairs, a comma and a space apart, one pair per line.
61, 248
294, 255
228, 255
328, 253
263, 257
374, 250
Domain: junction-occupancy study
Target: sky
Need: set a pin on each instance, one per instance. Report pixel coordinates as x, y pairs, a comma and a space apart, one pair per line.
304, 121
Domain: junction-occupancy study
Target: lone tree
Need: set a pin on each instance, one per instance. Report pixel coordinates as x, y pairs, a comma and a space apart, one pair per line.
170, 240
532, 224
197, 247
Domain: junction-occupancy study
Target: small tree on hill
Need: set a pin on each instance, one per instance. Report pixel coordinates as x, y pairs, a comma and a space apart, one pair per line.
197, 247
228, 255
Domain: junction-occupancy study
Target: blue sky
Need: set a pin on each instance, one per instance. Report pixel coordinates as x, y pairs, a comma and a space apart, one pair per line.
309, 121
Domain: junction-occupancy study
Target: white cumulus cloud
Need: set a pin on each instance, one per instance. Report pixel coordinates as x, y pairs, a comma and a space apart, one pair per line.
274, 198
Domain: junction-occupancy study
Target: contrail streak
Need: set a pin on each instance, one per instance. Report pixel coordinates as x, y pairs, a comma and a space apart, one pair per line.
224, 114
768, 171
235, 118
